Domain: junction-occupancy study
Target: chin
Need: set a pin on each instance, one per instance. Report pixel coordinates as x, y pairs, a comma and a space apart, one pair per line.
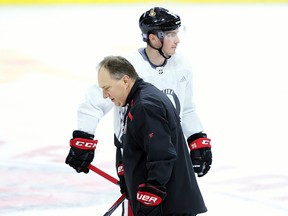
118, 104
172, 53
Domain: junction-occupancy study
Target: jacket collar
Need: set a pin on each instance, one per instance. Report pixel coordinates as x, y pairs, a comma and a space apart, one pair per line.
134, 89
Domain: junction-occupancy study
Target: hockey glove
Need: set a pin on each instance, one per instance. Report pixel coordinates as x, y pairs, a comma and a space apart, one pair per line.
120, 171
81, 154
150, 199
119, 166
200, 153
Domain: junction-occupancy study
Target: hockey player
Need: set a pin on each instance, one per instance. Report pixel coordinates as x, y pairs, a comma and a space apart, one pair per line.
157, 168
159, 64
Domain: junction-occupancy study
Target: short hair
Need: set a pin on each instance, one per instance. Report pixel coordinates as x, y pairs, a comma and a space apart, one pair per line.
118, 66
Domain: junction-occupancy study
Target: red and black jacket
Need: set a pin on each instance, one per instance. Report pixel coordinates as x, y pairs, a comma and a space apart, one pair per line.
155, 151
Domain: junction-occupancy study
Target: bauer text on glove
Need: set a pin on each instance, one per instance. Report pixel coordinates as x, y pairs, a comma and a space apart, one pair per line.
150, 199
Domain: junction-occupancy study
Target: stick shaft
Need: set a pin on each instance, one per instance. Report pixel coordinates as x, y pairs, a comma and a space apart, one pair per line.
115, 205
103, 174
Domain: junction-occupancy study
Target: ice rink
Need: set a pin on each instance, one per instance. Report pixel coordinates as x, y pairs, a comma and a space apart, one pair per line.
48, 56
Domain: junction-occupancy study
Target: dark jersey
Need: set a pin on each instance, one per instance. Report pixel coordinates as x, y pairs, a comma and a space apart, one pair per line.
155, 151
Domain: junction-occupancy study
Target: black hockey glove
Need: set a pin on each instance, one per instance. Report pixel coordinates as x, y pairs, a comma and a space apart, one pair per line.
120, 171
81, 154
200, 153
150, 198
119, 166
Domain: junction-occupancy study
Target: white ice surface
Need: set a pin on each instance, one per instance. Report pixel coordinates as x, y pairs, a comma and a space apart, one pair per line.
47, 61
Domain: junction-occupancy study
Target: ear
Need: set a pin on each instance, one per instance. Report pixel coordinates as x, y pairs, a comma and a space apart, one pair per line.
154, 40
152, 37
125, 79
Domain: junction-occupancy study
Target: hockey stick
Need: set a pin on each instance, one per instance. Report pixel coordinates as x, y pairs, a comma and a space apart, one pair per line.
115, 205
113, 180
103, 174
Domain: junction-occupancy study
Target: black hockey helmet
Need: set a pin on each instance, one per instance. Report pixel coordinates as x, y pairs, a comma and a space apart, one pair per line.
157, 20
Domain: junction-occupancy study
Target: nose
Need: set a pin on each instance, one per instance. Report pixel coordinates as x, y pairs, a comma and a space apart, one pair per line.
177, 40
105, 94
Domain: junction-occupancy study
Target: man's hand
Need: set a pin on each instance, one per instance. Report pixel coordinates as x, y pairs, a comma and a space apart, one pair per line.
81, 154
150, 199
120, 172
200, 153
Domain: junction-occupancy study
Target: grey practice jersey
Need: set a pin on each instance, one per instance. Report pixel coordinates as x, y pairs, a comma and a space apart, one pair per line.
174, 78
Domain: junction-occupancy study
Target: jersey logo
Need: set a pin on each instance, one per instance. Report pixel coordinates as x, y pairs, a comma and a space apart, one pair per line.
183, 79
174, 99
160, 70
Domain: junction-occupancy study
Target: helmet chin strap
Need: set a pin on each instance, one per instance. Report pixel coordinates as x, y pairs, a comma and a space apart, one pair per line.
159, 50
162, 54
